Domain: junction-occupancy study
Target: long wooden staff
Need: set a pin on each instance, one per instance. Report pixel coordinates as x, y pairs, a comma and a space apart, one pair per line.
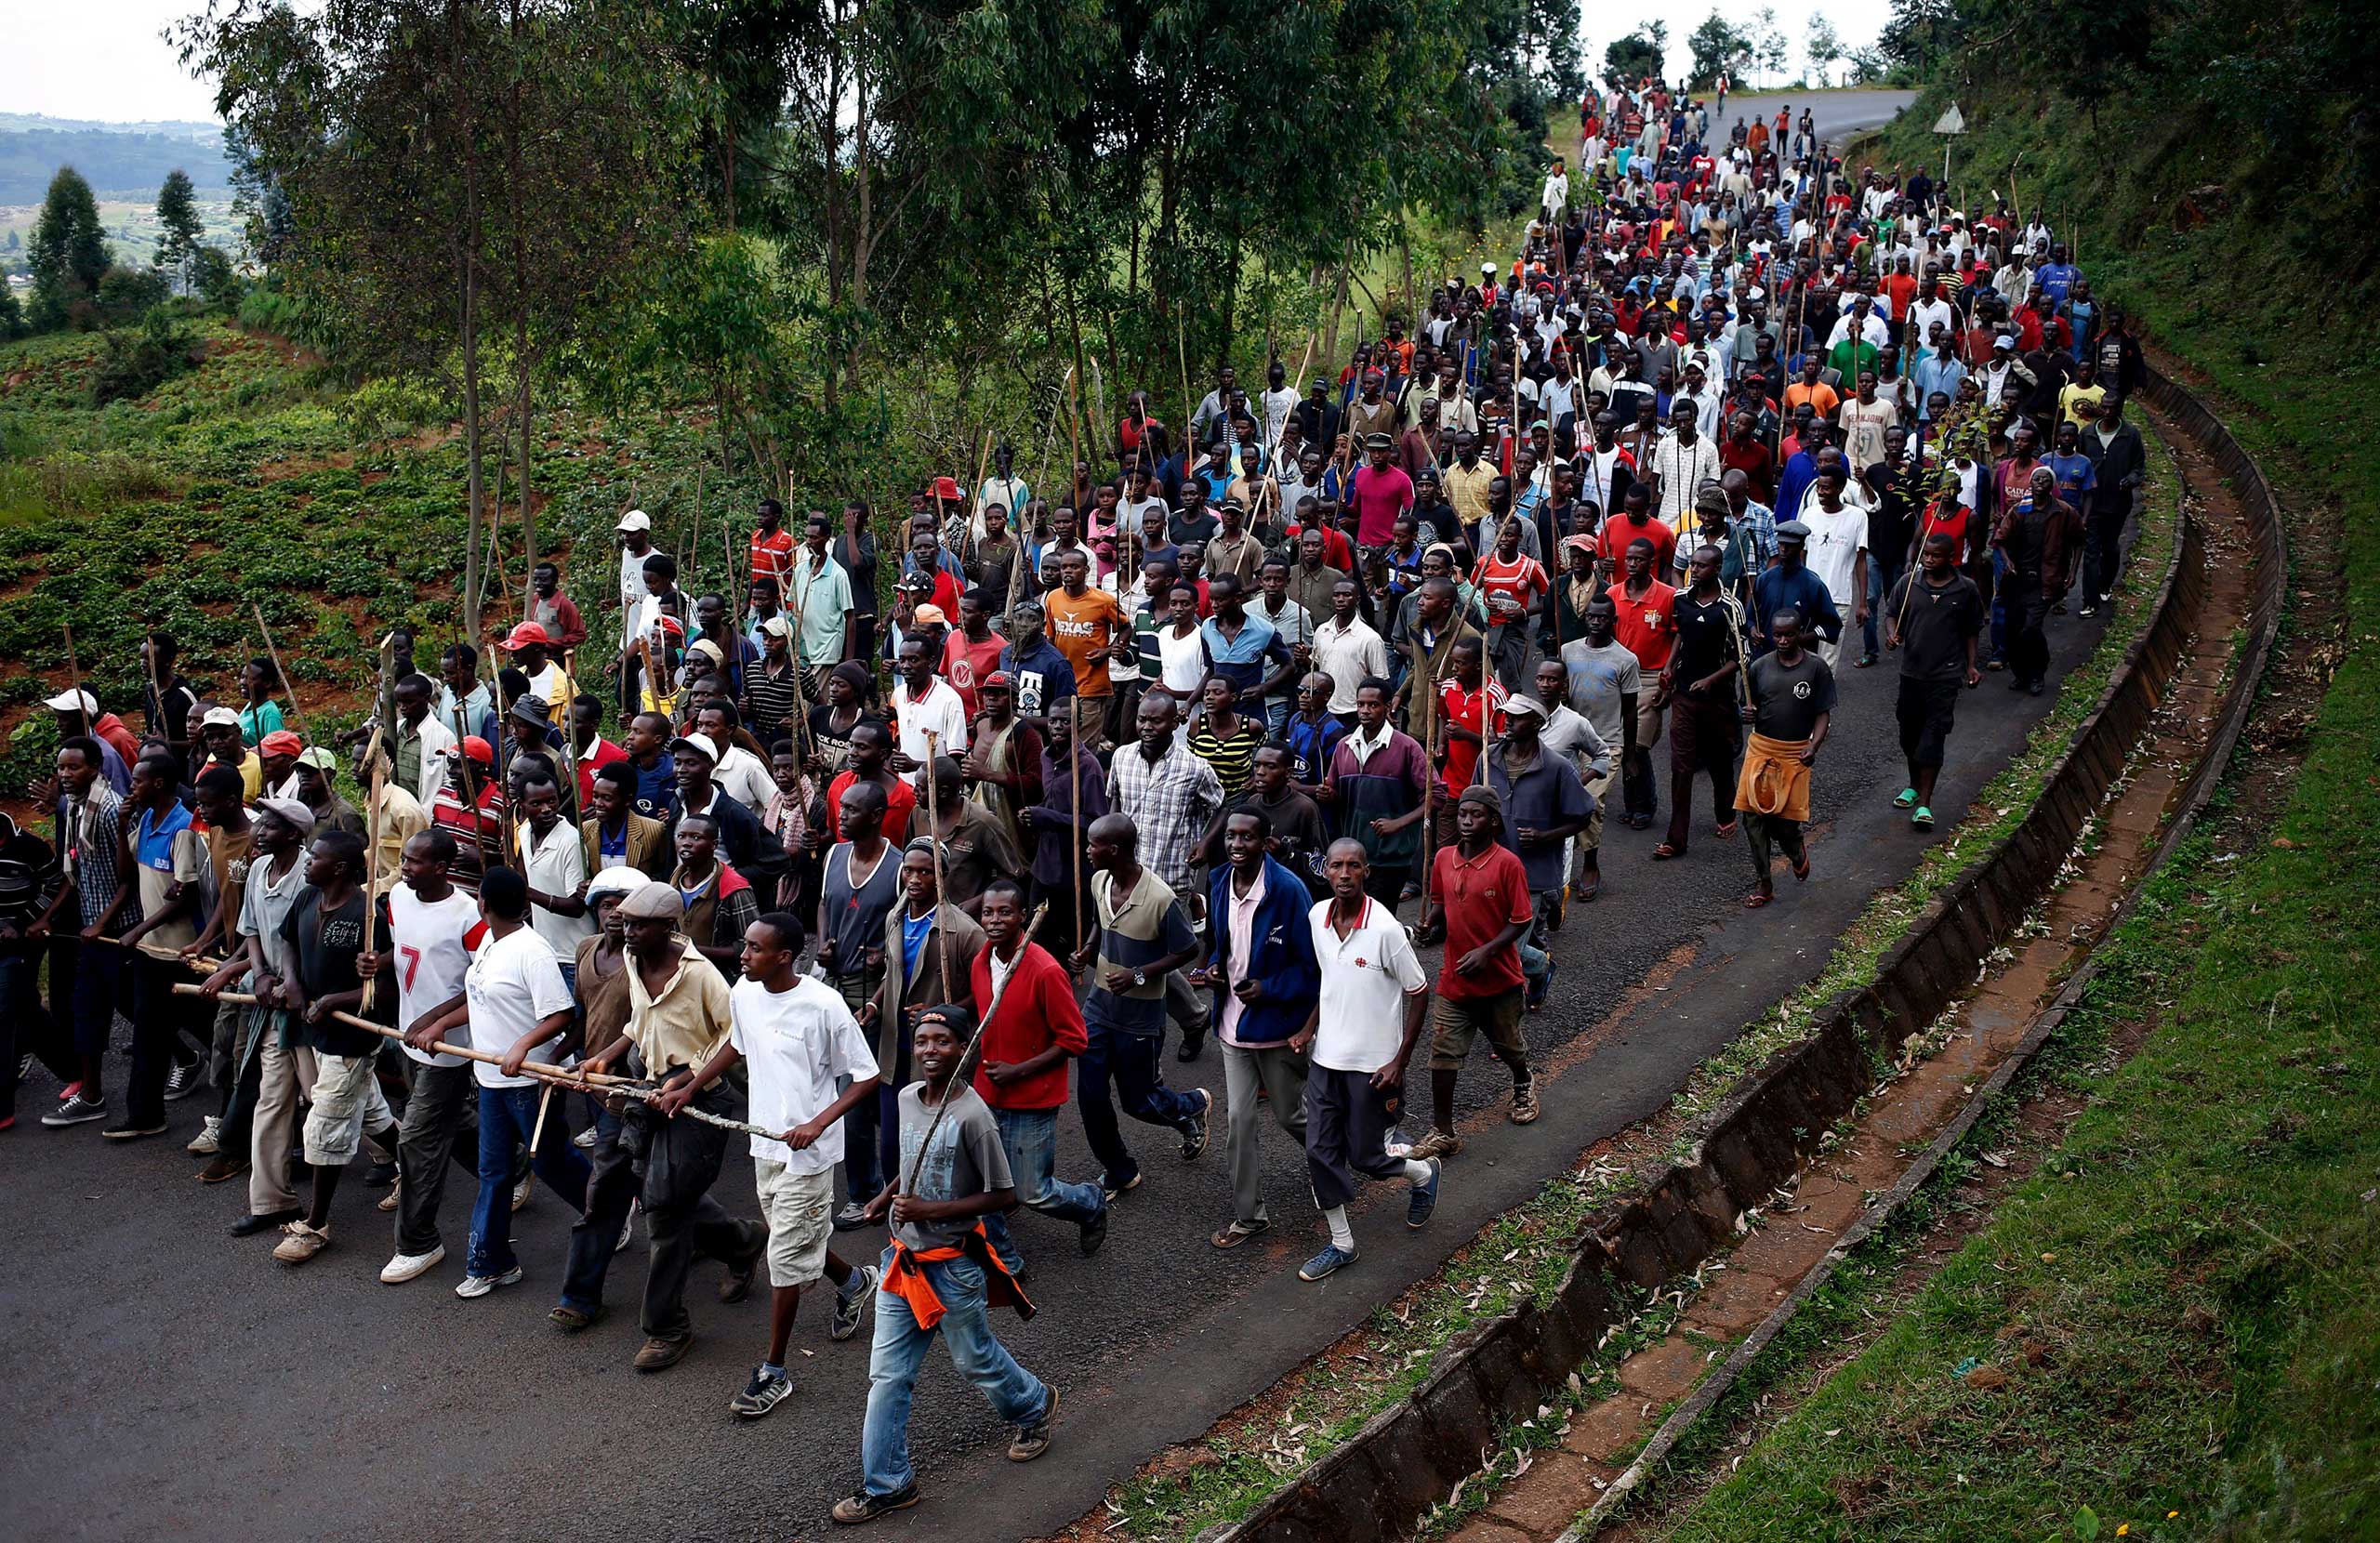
274, 654
909, 1185
594, 1084
74, 678
1074, 770
378, 762
934, 834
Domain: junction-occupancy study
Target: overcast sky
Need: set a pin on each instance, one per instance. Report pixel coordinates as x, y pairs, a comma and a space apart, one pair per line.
108, 59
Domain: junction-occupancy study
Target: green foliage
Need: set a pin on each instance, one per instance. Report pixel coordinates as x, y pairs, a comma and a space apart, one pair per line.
1719, 48
134, 362
12, 315
68, 255
180, 242
1643, 52
129, 294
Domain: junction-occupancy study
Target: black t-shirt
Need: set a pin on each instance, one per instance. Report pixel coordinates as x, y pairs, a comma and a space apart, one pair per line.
1938, 621
1183, 529
28, 874
327, 943
1789, 700
1703, 646
1296, 825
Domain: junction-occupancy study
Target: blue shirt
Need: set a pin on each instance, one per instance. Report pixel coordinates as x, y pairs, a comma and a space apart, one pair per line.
1240, 660
2075, 474
1043, 676
656, 790
1310, 746
1795, 589
2056, 278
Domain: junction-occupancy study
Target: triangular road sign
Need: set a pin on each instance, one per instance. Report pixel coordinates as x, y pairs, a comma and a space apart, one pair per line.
1952, 121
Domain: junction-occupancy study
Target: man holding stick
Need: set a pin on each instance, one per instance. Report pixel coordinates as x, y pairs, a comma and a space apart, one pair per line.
799, 1041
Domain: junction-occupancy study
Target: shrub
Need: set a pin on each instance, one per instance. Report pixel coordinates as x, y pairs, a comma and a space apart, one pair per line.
133, 364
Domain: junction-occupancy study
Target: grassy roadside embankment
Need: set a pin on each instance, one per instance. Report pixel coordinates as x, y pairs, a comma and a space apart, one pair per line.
2197, 1260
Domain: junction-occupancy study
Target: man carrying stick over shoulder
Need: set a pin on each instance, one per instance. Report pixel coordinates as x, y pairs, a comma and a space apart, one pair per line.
941, 1274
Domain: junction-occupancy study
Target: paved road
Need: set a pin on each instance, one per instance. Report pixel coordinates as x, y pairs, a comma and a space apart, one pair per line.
166, 1378
1834, 113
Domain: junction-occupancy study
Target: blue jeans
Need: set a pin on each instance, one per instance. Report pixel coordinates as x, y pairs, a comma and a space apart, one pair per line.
1999, 607
508, 1116
1016, 1395
1883, 571
1132, 1062
1030, 1138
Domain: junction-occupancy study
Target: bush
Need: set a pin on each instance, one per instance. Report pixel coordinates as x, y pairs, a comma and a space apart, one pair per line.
128, 293
214, 280
131, 364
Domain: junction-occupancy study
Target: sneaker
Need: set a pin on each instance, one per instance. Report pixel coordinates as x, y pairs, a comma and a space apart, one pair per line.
77, 1110
1523, 1102
300, 1243
1905, 798
852, 1306
1191, 1047
520, 1188
1865, 661
851, 1215
659, 1355
765, 1391
182, 1079
130, 1129
1437, 1143
1923, 819
585, 1139
1094, 1234
1033, 1439
1330, 1261
1422, 1198
852, 1509
2089, 609
407, 1267
220, 1167
394, 1198
471, 1286
1194, 1134
1109, 1187
207, 1143
576, 1320
24, 1067
627, 1228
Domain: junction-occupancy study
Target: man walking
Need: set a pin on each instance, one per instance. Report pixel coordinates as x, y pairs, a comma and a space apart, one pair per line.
1792, 696
1938, 612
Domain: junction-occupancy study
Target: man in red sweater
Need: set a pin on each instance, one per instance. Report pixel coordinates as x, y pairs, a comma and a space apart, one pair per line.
1033, 1030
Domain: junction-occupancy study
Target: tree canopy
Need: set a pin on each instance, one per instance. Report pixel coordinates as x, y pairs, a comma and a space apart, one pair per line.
68, 252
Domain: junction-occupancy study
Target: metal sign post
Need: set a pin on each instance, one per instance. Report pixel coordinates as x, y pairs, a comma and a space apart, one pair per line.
1952, 123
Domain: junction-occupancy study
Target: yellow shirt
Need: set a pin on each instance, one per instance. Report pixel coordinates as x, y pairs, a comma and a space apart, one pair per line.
402, 819
1467, 491
686, 1024
2072, 396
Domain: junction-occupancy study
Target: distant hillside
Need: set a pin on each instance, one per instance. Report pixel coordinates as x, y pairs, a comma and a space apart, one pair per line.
118, 160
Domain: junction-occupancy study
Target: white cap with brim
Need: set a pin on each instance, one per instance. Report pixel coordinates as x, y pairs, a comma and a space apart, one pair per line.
72, 701
635, 519
290, 812
621, 880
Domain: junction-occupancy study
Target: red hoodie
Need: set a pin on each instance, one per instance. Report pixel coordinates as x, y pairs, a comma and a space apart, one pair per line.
1039, 1007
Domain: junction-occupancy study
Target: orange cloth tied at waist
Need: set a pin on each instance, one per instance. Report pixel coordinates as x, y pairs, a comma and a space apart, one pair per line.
1775, 780
905, 1277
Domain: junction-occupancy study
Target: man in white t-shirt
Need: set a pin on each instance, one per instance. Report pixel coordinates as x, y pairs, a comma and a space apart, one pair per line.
1360, 1036
924, 703
797, 1038
433, 927
521, 1010
1838, 553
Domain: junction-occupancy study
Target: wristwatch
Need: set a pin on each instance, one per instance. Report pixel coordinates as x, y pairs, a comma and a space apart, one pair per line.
1140, 977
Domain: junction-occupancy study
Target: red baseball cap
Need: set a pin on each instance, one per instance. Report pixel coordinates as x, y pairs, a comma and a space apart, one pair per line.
948, 487
526, 634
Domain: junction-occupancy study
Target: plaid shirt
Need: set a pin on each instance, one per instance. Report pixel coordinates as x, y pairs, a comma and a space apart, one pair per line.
87, 834
1759, 524
1170, 802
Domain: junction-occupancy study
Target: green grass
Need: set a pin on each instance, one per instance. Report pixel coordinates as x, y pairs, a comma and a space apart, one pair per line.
2198, 1260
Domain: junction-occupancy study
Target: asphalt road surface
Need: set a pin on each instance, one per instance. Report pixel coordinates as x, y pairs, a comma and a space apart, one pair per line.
167, 1379
1834, 113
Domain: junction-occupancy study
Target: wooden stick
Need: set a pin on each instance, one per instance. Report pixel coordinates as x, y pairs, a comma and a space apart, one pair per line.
1074, 770
274, 654
934, 834
161, 955
538, 1131
909, 1185
74, 678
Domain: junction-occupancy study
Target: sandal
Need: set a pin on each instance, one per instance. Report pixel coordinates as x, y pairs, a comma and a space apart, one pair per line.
1906, 799
1802, 871
1239, 1232
1755, 899
1663, 853
1726, 832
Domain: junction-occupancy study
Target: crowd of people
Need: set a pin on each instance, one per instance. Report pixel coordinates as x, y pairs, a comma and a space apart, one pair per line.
1231, 729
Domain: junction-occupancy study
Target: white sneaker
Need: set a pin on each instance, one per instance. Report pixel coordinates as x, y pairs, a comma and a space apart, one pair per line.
585, 1139
206, 1143
480, 1285
627, 1228
521, 1191
405, 1267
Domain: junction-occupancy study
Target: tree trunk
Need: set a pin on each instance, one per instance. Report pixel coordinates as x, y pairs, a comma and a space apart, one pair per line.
528, 515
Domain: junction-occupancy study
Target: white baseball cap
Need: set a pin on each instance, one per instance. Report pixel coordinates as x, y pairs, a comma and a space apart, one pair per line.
71, 700
635, 519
